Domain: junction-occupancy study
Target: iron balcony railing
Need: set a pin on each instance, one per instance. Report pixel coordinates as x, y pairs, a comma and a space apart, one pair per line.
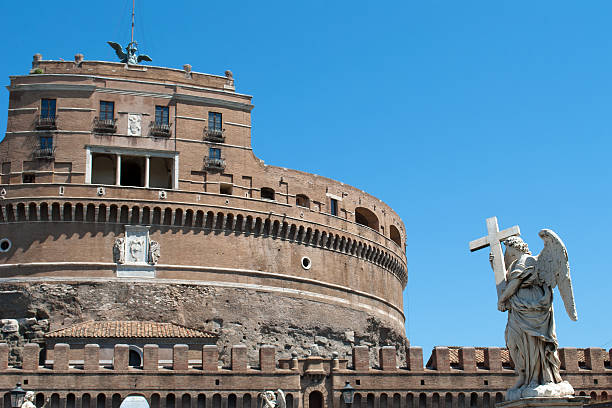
214, 163
46, 123
160, 129
214, 135
105, 125
44, 153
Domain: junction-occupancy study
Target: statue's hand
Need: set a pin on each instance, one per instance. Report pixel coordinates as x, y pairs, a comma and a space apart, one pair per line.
502, 306
491, 258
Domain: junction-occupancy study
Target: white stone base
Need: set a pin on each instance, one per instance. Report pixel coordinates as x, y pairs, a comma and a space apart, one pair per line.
562, 389
135, 271
545, 402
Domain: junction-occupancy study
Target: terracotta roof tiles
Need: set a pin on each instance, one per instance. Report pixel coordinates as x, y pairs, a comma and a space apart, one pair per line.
128, 329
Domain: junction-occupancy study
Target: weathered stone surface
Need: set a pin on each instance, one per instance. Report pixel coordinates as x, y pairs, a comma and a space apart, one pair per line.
237, 315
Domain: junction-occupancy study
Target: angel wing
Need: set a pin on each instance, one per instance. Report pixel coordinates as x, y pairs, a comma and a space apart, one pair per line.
118, 50
144, 58
280, 399
553, 268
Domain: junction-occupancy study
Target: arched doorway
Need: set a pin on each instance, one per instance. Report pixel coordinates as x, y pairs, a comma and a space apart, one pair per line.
315, 400
135, 358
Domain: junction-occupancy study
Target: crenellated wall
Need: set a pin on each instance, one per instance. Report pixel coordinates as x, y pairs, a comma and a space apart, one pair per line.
385, 384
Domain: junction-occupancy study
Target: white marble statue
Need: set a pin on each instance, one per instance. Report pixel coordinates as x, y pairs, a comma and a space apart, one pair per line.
269, 399
525, 286
28, 401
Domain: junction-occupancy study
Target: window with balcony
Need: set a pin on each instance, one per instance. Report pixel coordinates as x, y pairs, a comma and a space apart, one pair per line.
45, 149
106, 121
161, 126
46, 120
214, 132
214, 161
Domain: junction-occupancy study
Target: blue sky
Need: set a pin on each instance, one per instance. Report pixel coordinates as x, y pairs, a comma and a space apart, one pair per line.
449, 111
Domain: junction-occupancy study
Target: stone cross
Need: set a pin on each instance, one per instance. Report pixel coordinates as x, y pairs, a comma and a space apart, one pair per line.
493, 239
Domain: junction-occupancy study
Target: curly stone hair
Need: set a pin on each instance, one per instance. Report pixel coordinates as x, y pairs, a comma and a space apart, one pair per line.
517, 243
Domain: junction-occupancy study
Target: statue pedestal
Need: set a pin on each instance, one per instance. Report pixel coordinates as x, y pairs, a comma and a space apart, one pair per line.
545, 402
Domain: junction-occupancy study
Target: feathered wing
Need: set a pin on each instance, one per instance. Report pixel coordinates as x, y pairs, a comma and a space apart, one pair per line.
118, 50
280, 399
553, 268
144, 58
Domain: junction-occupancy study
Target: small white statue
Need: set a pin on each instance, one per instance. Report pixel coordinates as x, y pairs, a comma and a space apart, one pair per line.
28, 401
269, 399
119, 251
154, 252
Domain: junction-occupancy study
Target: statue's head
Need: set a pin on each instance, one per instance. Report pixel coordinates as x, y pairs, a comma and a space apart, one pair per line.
29, 396
515, 247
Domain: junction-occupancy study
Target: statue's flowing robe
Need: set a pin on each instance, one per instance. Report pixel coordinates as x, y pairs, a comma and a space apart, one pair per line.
530, 333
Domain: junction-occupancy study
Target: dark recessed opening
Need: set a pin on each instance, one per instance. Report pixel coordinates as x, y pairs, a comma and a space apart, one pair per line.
358, 382
216, 382
25, 382
5, 245
306, 262
486, 382
595, 381
422, 382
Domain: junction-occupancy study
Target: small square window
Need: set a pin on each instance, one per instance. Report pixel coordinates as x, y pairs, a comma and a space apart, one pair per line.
486, 382
47, 108
333, 206
29, 178
422, 382
214, 153
225, 189
214, 121
358, 382
107, 110
162, 114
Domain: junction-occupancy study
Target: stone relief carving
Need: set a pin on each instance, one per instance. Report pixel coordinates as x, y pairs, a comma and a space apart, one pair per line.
154, 252
119, 251
526, 293
134, 124
136, 248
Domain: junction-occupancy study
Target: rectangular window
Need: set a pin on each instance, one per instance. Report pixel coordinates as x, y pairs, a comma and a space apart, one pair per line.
214, 121
162, 114
107, 110
214, 153
46, 142
47, 108
333, 206
29, 178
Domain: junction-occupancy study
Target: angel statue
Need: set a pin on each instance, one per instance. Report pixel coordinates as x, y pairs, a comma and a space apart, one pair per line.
129, 56
271, 400
28, 401
527, 295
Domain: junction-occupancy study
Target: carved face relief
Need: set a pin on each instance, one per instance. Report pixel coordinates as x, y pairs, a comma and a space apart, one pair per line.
137, 249
134, 125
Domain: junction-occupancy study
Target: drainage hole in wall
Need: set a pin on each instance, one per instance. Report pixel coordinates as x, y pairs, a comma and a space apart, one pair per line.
306, 263
5, 244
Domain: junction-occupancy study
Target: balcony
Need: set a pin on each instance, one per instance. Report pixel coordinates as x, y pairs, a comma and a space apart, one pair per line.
160, 129
44, 153
105, 125
46, 123
214, 163
214, 135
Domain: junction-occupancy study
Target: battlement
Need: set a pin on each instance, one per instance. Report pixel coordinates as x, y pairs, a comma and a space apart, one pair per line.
133, 72
442, 360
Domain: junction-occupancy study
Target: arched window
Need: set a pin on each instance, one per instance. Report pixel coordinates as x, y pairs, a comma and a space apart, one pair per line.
461, 400
267, 193
366, 217
473, 400
155, 401
135, 357
116, 402
288, 401
409, 400
315, 400
357, 400
302, 200
499, 397
216, 401
55, 401
70, 401
422, 400
448, 400
231, 401
186, 401
202, 401
370, 401
486, 400
435, 400
40, 400
397, 401
383, 401
395, 235
101, 401
170, 401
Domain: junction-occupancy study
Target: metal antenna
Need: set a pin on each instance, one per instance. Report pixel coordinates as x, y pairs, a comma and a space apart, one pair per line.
133, 6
